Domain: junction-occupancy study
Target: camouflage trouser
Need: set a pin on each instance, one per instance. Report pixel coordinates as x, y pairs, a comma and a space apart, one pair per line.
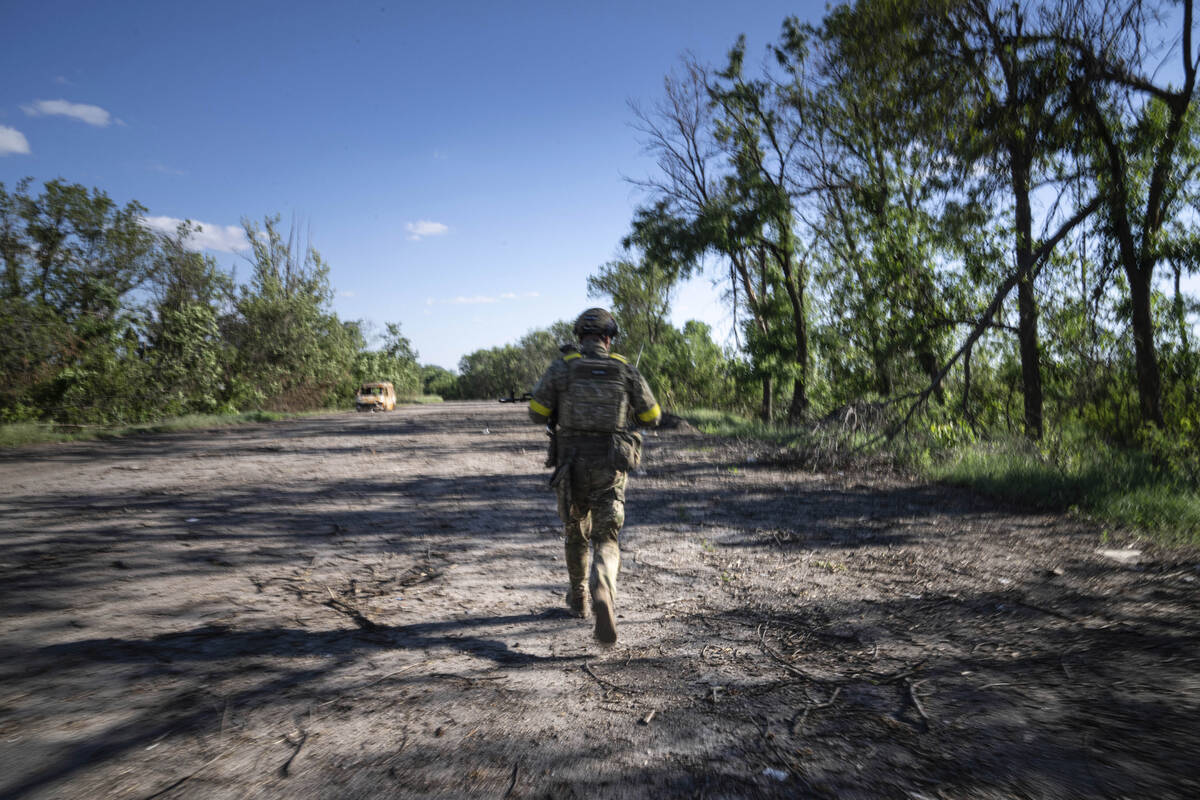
592, 507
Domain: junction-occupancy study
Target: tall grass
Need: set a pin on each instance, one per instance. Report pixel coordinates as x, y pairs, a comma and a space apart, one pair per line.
1070, 472
1120, 486
25, 433
726, 423
18, 434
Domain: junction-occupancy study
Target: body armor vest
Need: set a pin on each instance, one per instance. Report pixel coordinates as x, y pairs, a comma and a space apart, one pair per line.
595, 401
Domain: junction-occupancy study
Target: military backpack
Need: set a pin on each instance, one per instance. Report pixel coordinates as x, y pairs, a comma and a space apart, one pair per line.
595, 401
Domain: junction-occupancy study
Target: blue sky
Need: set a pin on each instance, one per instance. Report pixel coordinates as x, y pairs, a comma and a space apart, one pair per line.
461, 165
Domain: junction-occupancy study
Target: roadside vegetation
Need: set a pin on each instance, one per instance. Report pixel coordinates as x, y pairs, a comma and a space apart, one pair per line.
23, 433
1140, 489
955, 236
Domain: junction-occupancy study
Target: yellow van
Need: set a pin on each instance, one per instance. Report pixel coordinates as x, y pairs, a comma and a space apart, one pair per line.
376, 396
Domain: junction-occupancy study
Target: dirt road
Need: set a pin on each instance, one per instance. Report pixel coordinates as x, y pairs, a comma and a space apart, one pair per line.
363, 606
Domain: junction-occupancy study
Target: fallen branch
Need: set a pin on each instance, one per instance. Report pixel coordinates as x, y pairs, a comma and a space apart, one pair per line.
791, 670
393, 674
283, 770
892, 677
984, 321
803, 717
1047, 611
916, 701
670, 602
342, 607
190, 775
606, 684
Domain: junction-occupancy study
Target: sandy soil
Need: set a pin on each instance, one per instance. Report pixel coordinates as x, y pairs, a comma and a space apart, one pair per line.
370, 605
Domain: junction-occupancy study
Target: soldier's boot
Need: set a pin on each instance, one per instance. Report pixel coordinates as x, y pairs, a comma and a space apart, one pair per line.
577, 601
606, 615
606, 563
578, 563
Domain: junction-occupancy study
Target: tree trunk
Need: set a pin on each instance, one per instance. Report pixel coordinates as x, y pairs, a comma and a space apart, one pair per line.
1145, 358
1027, 311
1031, 373
1186, 359
929, 363
799, 408
768, 408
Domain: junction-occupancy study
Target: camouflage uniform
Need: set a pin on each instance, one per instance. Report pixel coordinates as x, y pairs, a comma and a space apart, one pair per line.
591, 490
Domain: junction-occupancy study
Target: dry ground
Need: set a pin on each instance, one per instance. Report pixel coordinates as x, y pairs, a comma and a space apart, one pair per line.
362, 606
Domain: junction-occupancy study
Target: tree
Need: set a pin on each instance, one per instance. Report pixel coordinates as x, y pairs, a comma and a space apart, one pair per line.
718, 195
998, 92
761, 128
395, 361
877, 196
439, 381
1139, 129
640, 298
185, 346
511, 370
292, 351
73, 259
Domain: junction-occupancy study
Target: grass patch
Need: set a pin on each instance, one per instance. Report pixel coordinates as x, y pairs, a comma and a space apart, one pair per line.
817, 447
1123, 487
25, 433
18, 434
726, 423
21, 433
1157, 495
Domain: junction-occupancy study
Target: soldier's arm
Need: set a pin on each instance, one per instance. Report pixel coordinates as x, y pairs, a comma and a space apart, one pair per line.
645, 407
545, 395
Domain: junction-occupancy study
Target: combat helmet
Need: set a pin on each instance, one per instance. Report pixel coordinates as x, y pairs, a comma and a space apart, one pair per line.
596, 322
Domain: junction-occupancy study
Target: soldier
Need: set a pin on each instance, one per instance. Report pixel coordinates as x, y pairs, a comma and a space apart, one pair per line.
597, 399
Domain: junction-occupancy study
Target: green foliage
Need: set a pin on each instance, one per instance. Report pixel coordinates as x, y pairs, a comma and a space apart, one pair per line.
288, 343
72, 262
404, 374
20, 434
396, 362
511, 370
687, 369
728, 423
439, 381
106, 323
1130, 487
185, 346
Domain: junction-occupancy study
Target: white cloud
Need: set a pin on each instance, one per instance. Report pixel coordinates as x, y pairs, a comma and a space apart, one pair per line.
347, 293
92, 115
163, 169
422, 228
478, 299
13, 141
223, 238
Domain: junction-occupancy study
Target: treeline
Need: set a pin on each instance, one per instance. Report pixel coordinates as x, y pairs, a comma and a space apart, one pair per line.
104, 321
981, 210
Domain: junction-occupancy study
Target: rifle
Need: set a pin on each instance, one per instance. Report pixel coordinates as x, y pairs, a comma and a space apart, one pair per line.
552, 446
